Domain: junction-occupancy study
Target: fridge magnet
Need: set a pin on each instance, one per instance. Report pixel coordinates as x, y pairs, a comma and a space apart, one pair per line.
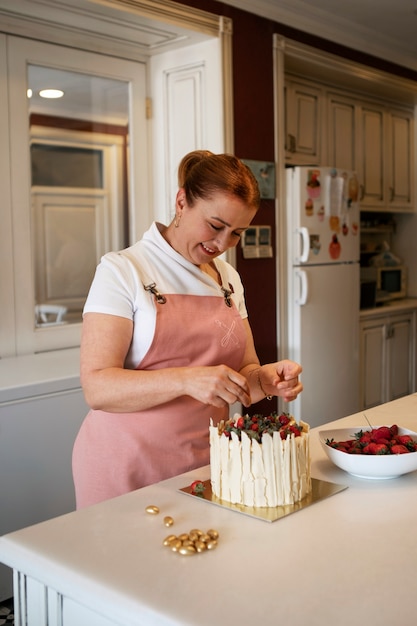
313, 184
353, 190
320, 213
309, 207
334, 223
315, 244
264, 172
335, 248
345, 228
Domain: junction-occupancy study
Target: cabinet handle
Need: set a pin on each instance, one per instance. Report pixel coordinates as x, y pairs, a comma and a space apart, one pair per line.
291, 143
389, 331
391, 194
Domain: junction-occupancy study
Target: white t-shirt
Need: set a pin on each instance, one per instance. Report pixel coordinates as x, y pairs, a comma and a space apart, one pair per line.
118, 286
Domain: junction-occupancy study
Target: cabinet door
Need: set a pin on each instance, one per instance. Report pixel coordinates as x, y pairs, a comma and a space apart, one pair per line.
400, 160
373, 364
372, 155
341, 132
399, 333
303, 123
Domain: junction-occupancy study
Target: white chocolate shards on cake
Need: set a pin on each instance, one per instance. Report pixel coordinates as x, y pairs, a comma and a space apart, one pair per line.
260, 461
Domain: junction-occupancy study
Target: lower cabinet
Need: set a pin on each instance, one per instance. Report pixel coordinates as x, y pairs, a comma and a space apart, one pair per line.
388, 357
36, 439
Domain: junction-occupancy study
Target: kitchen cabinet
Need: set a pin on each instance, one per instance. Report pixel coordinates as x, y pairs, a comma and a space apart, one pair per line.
387, 356
342, 132
328, 126
399, 190
303, 110
41, 410
371, 156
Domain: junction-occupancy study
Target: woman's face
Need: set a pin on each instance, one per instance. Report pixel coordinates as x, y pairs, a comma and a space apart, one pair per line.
210, 227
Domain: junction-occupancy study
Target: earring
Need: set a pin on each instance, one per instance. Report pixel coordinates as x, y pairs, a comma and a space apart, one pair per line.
177, 220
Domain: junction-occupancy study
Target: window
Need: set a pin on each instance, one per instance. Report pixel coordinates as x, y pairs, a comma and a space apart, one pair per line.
70, 161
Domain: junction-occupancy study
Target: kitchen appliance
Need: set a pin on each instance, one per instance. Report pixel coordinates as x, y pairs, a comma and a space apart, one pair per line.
391, 281
323, 250
368, 294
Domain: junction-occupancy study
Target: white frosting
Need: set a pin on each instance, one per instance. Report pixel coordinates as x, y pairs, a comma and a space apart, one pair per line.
273, 473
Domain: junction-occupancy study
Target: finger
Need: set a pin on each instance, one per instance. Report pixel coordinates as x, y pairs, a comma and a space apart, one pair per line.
239, 394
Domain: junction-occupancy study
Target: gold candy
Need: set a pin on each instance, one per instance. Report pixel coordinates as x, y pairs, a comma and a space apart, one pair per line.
168, 540
213, 534
183, 536
187, 544
176, 545
200, 546
187, 550
152, 509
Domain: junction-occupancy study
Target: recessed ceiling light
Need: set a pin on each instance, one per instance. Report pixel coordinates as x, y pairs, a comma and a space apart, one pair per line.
29, 93
51, 93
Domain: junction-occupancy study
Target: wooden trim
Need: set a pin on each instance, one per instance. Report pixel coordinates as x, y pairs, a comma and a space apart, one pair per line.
54, 121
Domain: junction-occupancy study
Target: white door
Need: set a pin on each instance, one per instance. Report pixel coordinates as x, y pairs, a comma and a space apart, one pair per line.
26, 58
324, 339
187, 113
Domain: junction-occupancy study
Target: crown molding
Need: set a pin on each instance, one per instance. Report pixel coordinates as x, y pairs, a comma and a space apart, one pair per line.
331, 27
132, 29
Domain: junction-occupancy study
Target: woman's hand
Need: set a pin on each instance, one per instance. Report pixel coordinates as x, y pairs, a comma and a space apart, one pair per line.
281, 379
216, 385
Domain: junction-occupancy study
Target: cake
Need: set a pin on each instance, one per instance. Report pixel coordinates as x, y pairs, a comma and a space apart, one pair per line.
260, 461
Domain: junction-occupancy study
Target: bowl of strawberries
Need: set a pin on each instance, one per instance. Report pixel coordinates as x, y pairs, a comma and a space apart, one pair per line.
371, 452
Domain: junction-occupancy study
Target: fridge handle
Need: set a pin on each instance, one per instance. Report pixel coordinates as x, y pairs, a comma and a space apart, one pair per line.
305, 247
303, 288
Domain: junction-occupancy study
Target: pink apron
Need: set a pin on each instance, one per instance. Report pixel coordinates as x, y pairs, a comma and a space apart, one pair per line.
115, 453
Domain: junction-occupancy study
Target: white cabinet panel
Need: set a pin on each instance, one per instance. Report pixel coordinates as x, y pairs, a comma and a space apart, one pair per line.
342, 133
400, 159
388, 358
303, 110
36, 439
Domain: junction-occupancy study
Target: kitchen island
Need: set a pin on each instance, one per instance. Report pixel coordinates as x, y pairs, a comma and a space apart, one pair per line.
349, 558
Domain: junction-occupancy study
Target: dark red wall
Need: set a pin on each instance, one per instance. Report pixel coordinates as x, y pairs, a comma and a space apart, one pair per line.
254, 139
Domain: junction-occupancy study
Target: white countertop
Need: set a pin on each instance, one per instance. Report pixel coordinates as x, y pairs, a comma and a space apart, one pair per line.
395, 306
32, 375
351, 557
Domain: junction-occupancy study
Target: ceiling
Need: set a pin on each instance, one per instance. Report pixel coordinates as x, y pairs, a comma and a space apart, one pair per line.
383, 28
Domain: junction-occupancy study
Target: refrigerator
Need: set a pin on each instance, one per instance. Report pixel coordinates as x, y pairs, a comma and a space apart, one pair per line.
323, 292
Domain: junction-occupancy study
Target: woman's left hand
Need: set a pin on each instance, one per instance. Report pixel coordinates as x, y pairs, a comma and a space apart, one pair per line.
281, 379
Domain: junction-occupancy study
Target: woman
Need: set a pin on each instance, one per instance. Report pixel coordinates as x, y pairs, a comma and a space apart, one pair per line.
166, 343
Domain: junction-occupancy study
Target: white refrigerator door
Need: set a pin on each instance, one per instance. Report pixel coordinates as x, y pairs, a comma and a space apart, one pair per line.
324, 339
322, 216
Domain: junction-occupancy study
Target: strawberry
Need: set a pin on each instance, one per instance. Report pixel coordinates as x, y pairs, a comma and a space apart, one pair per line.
394, 430
283, 419
399, 449
375, 448
383, 432
403, 439
197, 487
240, 423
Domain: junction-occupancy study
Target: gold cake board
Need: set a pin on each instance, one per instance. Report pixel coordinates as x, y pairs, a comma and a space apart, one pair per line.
320, 490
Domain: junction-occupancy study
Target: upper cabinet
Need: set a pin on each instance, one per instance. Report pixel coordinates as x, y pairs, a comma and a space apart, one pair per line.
400, 159
303, 109
327, 126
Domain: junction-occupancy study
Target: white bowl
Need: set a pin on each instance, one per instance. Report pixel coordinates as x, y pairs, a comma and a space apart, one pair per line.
364, 465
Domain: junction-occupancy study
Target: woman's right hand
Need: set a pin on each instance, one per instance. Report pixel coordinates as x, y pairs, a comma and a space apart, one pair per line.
217, 385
